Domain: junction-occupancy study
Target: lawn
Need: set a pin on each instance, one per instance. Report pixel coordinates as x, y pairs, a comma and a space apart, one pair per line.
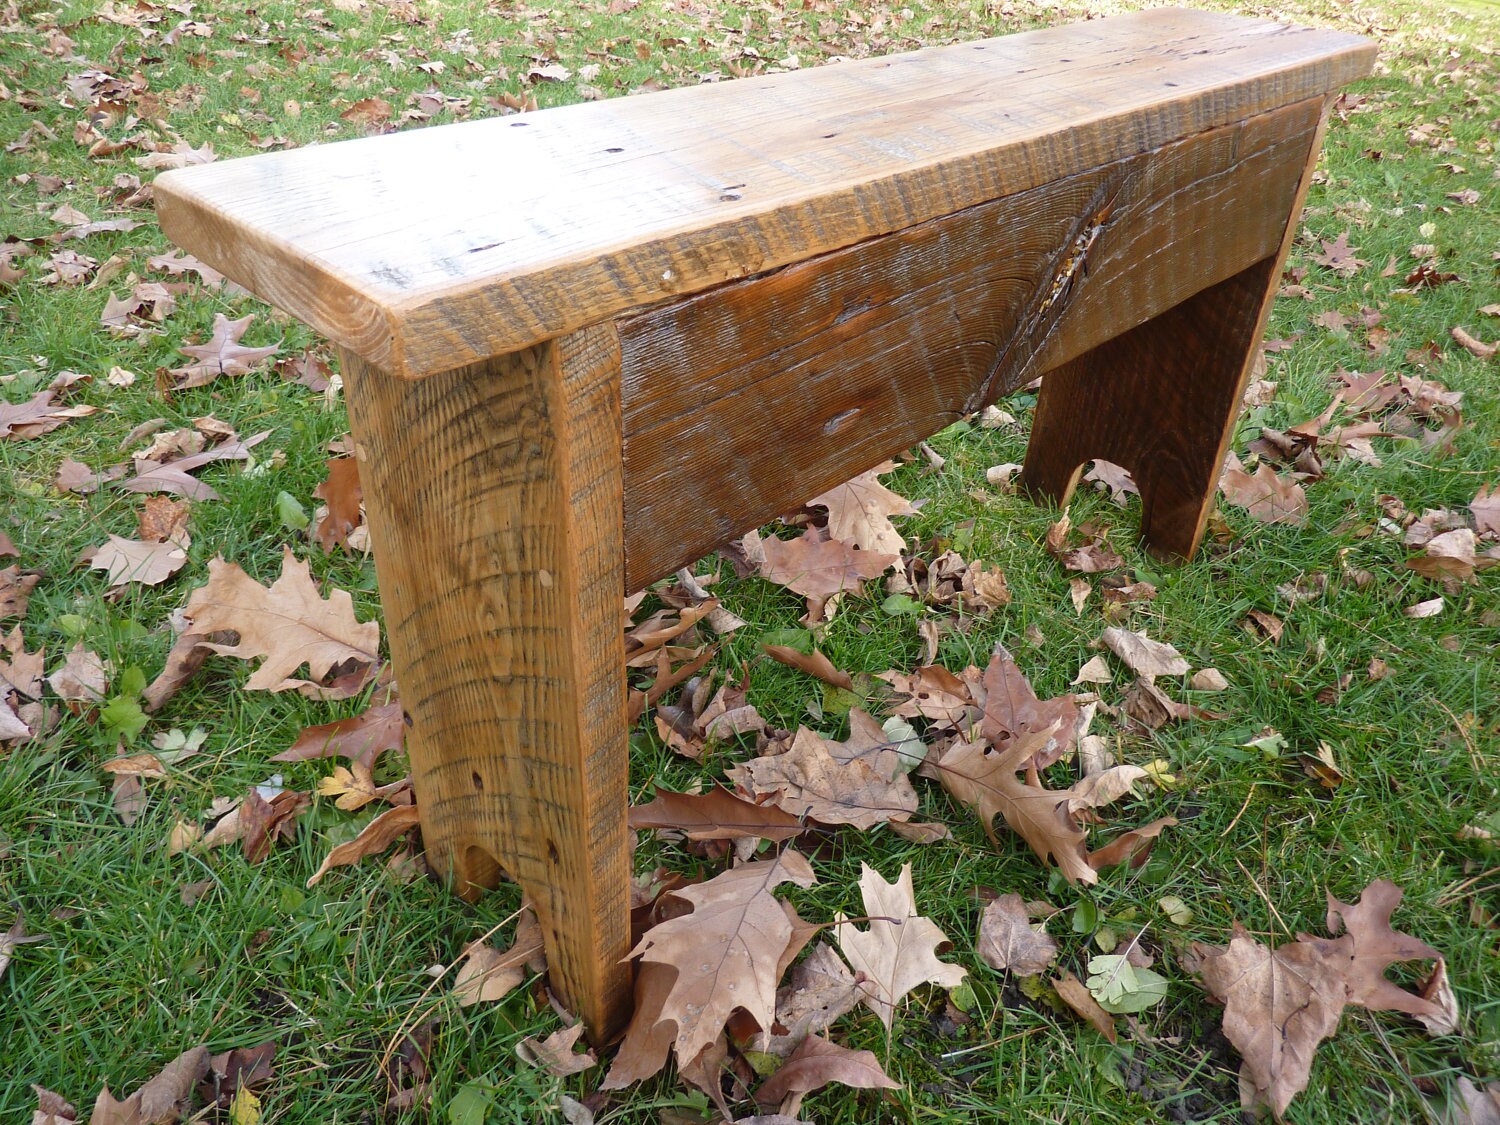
1357, 737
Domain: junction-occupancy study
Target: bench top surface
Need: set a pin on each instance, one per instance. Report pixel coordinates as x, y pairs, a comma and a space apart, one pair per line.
425, 250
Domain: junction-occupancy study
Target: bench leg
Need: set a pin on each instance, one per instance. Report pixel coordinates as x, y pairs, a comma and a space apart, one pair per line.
1160, 400
495, 506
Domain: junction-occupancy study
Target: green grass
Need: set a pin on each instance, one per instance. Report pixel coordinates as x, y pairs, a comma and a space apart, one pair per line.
130, 976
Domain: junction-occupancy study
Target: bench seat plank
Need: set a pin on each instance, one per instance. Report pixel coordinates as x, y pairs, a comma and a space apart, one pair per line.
533, 226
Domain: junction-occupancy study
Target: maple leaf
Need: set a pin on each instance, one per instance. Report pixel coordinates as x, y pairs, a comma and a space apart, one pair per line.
173, 476
132, 560
728, 953
817, 1062
1266, 496
1008, 940
361, 739
287, 623
1280, 1004
1338, 256
223, 354
715, 815
374, 838
860, 512
899, 950
807, 780
818, 568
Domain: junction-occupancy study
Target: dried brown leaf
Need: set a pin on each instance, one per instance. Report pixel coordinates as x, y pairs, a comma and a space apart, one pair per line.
860, 512
288, 624
899, 950
715, 815
815, 1063
1008, 941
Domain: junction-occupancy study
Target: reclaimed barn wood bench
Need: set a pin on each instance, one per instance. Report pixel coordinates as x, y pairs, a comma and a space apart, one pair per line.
585, 346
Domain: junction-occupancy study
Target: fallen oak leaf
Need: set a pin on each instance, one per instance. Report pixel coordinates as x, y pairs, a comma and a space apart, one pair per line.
697, 968
37, 416
15, 590
815, 1063
374, 838
820, 990
1131, 846
341, 491
263, 822
361, 738
239, 1069
1265, 496
1013, 710
899, 950
818, 567
222, 354
288, 624
806, 780
143, 563
1143, 656
555, 1053
860, 511
489, 973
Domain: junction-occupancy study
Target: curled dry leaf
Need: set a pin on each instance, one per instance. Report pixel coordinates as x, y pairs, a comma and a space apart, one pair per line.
373, 839
932, 692
814, 664
15, 590
288, 624
1013, 710
173, 476
1009, 941
14, 937
83, 677
1448, 555
715, 815
489, 973
899, 950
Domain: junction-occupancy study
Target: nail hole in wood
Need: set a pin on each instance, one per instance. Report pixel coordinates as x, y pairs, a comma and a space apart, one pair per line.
552, 852
614, 150
728, 197
478, 781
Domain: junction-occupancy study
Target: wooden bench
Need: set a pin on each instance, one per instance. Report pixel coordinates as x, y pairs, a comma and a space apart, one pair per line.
583, 347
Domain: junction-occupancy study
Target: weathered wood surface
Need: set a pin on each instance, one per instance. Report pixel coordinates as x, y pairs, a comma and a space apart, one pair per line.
744, 402
494, 499
1162, 400
435, 248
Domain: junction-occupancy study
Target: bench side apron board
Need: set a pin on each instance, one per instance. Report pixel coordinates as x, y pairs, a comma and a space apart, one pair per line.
583, 347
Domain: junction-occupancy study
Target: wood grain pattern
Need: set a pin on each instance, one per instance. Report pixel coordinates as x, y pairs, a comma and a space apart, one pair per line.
494, 500
435, 248
1162, 400
746, 401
